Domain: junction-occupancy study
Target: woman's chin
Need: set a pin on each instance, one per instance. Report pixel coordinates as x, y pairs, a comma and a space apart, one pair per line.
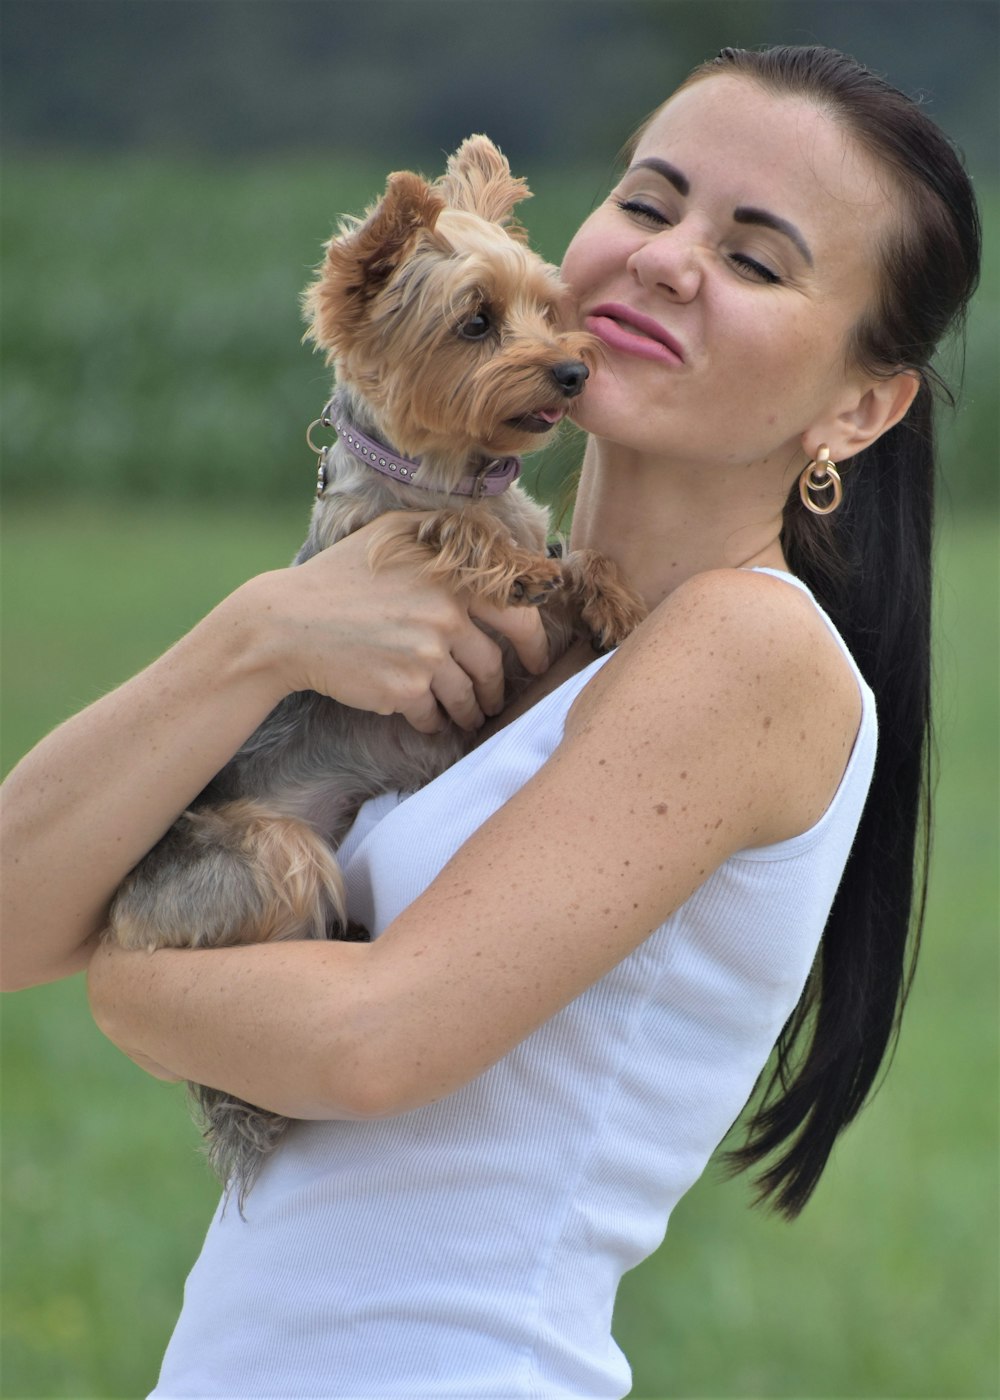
603, 411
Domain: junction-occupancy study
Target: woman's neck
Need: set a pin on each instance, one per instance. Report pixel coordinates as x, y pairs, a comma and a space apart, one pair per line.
662, 523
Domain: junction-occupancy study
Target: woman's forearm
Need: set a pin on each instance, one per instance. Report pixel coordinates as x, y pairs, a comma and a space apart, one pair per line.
283, 1025
87, 803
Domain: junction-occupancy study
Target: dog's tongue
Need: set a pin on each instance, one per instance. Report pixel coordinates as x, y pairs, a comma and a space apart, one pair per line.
549, 415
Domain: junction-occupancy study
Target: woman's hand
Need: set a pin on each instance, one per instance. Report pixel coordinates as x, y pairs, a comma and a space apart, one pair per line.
388, 641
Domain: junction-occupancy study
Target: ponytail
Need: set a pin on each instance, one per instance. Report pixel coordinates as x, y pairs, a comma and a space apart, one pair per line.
869, 567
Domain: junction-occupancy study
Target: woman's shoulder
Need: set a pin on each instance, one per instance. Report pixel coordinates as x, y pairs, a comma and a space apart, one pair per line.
760, 628
740, 669
747, 601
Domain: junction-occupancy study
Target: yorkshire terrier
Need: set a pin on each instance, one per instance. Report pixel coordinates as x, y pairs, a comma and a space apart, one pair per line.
443, 328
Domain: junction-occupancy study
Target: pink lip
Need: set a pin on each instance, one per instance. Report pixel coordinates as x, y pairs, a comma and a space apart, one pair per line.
624, 329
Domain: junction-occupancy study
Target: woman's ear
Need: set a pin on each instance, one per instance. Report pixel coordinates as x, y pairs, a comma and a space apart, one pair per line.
879, 406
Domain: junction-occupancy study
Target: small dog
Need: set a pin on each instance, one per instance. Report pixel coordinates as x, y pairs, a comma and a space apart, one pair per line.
443, 329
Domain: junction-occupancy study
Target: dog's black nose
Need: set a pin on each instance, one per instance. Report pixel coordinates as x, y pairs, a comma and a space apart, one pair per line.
571, 376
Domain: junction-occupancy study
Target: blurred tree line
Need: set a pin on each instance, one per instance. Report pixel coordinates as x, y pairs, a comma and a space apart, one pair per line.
171, 168
555, 79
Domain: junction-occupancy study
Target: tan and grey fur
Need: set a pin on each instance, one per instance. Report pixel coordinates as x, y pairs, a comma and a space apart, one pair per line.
252, 859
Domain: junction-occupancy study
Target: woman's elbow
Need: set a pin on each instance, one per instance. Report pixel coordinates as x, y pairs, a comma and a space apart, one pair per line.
26, 960
350, 1095
367, 1073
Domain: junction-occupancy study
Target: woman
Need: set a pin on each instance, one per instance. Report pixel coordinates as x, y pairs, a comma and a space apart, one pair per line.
592, 931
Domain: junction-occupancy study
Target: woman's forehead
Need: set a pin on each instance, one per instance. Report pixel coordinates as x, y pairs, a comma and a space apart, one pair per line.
782, 137
730, 138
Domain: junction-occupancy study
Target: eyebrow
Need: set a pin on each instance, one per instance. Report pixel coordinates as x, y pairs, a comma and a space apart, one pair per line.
768, 220
680, 182
744, 215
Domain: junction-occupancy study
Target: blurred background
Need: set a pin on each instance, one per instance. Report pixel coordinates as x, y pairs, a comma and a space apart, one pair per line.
170, 170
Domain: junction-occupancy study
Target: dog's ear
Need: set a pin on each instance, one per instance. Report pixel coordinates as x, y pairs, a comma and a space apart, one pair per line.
478, 179
363, 256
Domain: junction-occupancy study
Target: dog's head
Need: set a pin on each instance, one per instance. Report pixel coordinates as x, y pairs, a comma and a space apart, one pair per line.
434, 309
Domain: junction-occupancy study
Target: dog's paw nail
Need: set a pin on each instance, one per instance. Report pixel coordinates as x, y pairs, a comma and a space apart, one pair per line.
535, 590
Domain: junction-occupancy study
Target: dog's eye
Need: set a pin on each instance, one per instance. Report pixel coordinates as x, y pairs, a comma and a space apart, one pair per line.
476, 326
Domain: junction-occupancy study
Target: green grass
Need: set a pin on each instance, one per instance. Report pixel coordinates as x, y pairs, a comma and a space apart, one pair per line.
887, 1286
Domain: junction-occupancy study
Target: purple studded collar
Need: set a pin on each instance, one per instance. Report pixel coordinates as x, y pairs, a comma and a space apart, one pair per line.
492, 478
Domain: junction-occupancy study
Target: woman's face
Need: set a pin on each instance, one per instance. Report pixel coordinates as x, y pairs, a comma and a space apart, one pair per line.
724, 274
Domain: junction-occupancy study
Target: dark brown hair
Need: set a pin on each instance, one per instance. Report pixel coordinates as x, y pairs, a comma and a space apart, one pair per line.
869, 566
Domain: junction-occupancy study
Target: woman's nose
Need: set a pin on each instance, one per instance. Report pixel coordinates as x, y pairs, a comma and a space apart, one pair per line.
669, 261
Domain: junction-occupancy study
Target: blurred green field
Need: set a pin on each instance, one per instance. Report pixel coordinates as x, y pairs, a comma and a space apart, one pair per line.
155, 400
152, 332
887, 1287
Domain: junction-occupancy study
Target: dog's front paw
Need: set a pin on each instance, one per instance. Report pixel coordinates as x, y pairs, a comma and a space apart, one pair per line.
471, 551
536, 581
607, 606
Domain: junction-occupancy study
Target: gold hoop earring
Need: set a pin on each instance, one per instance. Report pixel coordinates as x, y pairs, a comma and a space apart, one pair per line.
821, 475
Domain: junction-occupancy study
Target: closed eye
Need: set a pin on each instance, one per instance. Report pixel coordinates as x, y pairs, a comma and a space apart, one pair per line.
752, 268
642, 211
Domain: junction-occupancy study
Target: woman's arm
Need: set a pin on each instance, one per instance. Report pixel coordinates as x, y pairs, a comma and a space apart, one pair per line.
88, 802
686, 747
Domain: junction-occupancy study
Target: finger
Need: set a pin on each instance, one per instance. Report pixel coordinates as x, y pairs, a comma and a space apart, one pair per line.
523, 629
456, 694
481, 659
425, 715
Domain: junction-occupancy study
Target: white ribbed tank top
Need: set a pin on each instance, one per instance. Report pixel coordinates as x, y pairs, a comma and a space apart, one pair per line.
473, 1248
